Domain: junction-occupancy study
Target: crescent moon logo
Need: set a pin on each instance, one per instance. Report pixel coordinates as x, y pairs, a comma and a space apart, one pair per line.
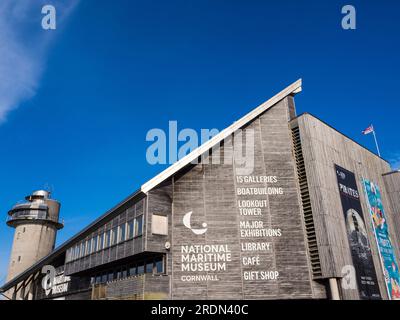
187, 224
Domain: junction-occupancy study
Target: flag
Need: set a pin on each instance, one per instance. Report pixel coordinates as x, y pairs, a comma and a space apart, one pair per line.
368, 130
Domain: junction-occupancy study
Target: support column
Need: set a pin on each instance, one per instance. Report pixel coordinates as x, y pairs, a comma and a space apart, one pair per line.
334, 289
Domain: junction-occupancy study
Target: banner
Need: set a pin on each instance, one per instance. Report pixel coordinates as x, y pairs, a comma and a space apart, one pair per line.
379, 222
357, 235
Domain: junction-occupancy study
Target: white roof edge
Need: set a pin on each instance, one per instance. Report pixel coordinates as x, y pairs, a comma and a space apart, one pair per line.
291, 89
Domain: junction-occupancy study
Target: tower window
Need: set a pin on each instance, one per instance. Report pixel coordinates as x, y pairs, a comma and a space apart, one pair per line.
19, 258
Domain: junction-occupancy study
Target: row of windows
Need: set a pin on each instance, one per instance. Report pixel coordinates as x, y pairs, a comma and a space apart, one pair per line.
154, 266
125, 231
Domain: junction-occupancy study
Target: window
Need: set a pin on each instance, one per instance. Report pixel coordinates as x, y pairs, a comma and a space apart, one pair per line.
87, 247
92, 245
19, 258
118, 274
104, 278
138, 226
100, 243
82, 250
140, 268
159, 265
159, 225
132, 271
124, 273
130, 229
68, 255
111, 276
98, 279
149, 267
87, 243
114, 235
107, 239
121, 232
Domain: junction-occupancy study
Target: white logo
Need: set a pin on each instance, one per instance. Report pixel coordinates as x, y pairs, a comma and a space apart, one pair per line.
186, 223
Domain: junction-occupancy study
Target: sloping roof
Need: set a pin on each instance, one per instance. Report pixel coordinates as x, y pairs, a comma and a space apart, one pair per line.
167, 173
170, 171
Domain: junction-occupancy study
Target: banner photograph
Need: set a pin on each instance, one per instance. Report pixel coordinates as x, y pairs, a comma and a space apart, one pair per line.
357, 235
383, 240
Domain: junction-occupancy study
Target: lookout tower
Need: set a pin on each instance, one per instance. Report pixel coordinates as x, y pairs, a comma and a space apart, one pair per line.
36, 224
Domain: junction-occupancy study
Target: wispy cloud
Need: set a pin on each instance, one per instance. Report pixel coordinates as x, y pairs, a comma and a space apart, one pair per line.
23, 48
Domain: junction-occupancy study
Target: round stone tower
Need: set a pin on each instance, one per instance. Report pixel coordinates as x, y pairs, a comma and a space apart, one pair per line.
36, 224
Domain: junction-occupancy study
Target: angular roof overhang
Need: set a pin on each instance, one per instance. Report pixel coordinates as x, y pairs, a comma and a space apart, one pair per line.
170, 171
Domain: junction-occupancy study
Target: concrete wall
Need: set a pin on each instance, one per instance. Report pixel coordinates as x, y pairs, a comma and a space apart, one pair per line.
32, 241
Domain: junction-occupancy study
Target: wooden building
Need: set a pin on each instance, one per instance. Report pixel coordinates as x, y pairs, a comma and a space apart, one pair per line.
257, 212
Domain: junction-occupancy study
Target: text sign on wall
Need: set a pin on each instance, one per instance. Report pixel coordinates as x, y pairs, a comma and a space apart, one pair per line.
379, 222
357, 235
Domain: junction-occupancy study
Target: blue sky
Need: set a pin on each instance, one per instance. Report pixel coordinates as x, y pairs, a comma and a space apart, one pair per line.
76, 102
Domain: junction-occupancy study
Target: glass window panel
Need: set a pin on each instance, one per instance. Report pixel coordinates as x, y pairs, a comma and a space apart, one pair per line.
121, 232
132, 271
111, 276
82, 250
101, 242
139, 226
67, 256
159, 265
149, 267
114, 234
94, 244
107, 239
140, 268
130, 229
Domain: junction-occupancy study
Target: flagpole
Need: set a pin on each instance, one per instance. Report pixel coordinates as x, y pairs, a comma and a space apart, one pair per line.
376, 142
